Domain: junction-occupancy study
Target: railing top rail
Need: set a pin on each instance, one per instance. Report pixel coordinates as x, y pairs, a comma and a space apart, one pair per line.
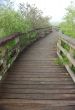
18, 34
70, 40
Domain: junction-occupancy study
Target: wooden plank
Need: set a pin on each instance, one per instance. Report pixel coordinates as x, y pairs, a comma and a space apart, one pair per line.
40, 79
37, 91
40, 96
53, 103
37, 82
35, 107
39, 86
46, 75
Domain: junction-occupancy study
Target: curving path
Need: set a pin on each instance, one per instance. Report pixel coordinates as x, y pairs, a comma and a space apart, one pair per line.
37, 82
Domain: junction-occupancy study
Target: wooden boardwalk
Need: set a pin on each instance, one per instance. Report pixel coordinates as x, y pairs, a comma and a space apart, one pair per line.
37, 82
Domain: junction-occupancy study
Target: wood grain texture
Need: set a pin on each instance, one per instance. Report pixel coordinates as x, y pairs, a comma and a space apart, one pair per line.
37, 82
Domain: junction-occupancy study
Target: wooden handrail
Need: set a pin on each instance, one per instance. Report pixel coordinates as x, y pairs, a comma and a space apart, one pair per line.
18, 34
66, 49
70, 40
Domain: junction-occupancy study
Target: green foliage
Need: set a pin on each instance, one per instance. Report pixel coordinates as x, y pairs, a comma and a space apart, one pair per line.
25, 39
11, 22
62, 61
64, 58
26, 18
74, 54
73, 68
65, 46
68, 24
59, 61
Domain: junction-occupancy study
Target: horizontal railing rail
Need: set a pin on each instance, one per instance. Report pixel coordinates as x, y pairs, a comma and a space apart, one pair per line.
15, 35
66, 53
11, 46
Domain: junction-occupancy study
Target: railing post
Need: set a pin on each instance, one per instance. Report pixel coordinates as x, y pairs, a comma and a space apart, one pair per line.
71, 51
58, 43
3, 61
18, 44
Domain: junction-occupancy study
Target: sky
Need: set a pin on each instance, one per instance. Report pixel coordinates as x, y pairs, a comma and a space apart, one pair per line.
1, 1
54, 8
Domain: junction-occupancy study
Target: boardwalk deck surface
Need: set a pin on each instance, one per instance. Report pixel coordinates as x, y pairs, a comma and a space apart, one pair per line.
37, 82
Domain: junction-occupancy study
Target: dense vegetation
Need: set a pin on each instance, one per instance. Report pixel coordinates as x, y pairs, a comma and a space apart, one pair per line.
68, 24
27, 17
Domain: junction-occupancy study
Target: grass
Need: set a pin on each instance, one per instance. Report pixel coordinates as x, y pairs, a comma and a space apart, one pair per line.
65, 46
73, 68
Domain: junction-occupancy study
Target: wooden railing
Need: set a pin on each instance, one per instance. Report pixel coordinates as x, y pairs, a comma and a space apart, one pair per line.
66, 53
11, 46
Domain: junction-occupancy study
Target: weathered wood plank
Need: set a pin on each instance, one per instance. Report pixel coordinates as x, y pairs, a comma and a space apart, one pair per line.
40, 96
38, 91
39, 86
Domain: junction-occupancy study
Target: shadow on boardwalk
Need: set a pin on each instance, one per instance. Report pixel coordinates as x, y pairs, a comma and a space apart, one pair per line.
36, 82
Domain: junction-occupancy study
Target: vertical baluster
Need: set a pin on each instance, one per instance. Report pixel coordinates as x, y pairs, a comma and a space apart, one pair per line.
71, 51
18, 45
59, 43
71, 54
3, 61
